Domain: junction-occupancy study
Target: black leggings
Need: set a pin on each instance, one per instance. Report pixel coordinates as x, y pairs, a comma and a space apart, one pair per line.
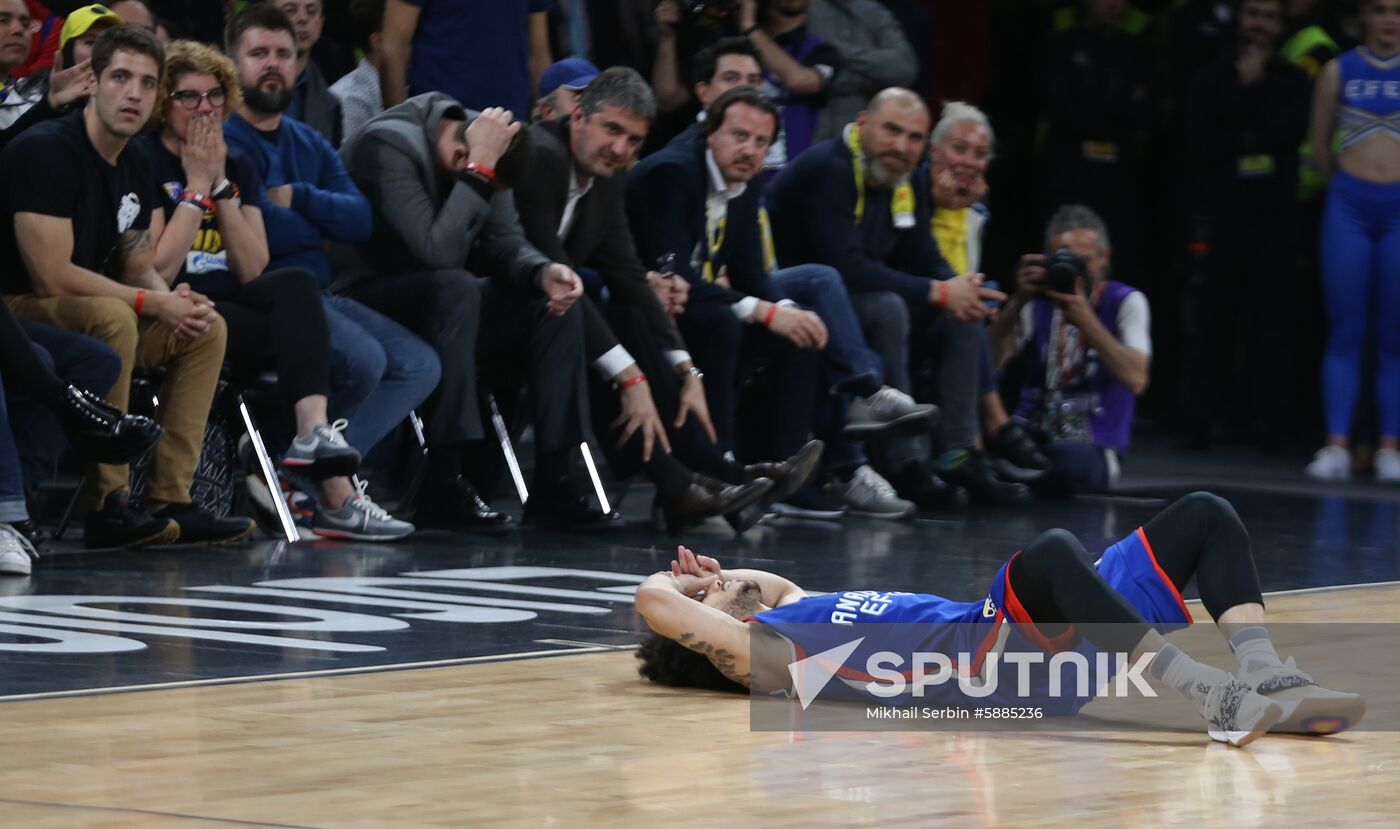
277, 321
22, 368
1199, 535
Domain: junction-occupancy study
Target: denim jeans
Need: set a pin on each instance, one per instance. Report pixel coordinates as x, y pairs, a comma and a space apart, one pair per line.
846, 358
379, 371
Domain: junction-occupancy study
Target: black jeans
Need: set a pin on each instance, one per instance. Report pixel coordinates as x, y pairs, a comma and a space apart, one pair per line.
277, 321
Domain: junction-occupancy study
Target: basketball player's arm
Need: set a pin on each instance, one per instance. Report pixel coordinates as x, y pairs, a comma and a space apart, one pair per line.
1324, 116
777, 591
718, 636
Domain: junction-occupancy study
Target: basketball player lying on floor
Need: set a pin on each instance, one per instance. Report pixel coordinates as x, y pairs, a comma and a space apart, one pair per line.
702, 615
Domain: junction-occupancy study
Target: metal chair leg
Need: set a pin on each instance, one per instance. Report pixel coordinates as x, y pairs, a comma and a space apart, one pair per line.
508, 449
284, 513
68, 510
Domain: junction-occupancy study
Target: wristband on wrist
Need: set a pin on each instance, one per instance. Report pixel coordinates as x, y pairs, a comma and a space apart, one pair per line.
225, 190
635, 381
768, 318
488, 173
942, 294
140, 301
750, 30
200, 200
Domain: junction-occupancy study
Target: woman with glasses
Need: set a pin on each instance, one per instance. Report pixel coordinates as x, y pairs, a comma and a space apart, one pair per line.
210, 233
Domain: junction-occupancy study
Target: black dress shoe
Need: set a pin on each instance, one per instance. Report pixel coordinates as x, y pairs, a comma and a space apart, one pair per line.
917, 482
974, 473
100, 432
563, 511
1015, 455
31, 532
455, 505
787, 476
699, 502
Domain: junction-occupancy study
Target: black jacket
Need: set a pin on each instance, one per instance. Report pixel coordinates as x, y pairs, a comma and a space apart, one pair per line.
666, 195
599, 238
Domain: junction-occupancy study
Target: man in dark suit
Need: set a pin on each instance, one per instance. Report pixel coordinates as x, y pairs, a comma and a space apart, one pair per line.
699, 200
439, 177
571, 208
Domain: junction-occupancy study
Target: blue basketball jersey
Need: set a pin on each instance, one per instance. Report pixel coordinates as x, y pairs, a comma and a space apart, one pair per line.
1370, 96
967, 632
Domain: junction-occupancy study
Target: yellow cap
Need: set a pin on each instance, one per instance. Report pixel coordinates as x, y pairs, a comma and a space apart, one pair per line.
83, 19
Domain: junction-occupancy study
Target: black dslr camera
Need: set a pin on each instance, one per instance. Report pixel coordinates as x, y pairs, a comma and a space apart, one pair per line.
1062, 268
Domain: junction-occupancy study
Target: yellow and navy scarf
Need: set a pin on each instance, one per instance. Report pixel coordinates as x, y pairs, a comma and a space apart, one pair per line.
901, 201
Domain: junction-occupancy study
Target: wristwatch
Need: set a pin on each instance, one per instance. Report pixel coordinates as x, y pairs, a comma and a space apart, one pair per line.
695, 372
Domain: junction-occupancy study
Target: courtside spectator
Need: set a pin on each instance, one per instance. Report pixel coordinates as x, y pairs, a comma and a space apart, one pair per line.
483, 54
51, 90
800, 67
379, 370
571, 207
134, 12
448, 259
210, 234
850, 203
77, 251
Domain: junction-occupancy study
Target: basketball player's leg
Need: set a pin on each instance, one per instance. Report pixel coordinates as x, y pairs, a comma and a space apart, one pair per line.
1201, 536
1052, 585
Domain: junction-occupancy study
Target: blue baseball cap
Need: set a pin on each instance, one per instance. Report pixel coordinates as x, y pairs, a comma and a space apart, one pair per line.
569, 73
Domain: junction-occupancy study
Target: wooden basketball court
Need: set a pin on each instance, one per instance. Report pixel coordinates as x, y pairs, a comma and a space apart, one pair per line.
582, 741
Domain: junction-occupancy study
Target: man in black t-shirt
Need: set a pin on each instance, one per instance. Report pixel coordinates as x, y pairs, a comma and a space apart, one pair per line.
76, 252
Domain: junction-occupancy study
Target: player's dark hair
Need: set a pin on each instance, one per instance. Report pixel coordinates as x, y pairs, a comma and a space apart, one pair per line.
667, 662
257, 16
703, 65
126, 38
714, 118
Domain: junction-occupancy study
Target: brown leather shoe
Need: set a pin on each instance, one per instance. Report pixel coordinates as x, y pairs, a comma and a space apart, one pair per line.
700, 501
788, 476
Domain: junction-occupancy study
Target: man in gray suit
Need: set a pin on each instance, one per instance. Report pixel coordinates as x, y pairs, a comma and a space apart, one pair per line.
439, 178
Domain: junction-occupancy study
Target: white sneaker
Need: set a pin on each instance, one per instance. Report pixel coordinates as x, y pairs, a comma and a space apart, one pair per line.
1388, 466
1331, 463
359, 519
888, 411
16, 553
871, 496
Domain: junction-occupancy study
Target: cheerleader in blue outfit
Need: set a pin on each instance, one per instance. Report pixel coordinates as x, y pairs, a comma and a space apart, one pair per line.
1358, 96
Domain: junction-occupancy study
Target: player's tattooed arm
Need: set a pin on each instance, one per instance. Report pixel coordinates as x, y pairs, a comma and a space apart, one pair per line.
722, 658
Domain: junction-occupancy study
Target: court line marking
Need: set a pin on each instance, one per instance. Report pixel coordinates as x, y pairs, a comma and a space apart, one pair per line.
469, 660
363, 669
85, 807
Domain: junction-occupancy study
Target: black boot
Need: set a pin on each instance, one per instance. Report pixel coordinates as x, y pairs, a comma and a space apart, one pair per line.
1015, 455
917, 482
972, 471
101, 433
787, 476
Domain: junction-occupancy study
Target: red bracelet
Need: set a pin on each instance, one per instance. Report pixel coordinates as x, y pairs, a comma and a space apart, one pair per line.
488, 173
772, 312
638, 380
942, 294
140, 300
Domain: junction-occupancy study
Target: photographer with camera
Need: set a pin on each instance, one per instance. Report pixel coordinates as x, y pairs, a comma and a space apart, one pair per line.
1087, 345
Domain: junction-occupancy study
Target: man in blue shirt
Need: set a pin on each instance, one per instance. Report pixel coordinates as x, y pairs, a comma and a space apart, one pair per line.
483, 54
310, 199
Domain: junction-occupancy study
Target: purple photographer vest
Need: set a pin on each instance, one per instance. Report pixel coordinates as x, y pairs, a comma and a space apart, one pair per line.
1111, 422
